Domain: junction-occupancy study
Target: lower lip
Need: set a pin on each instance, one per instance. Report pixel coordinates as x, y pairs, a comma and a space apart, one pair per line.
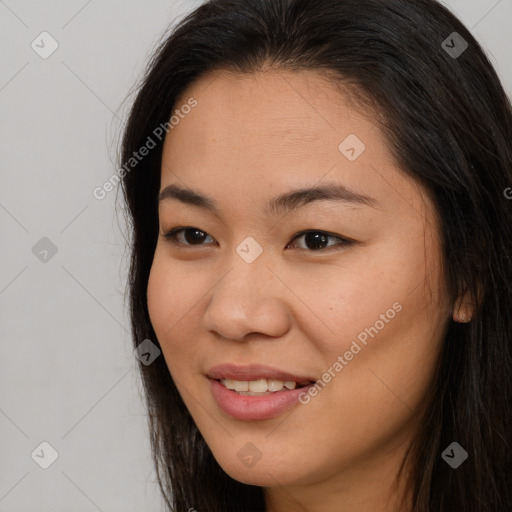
246, 407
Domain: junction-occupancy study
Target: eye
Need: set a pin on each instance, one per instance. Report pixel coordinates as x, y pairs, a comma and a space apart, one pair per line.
314, 240
195, 235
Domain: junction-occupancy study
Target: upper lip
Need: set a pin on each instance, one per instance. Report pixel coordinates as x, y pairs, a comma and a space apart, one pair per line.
254, 372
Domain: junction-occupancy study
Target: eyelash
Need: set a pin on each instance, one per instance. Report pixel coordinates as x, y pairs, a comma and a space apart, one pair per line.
170, 236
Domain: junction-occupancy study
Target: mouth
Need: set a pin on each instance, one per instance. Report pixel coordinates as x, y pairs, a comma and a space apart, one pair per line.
256, 392
261, 387
257, 376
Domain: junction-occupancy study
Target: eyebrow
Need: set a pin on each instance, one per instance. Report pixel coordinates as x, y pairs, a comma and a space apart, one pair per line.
291, 200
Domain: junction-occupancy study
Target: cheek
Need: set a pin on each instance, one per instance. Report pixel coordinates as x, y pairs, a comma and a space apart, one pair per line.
170, 300
395, 275
175, 295
162, 300
172, 294
380, 314
343, 303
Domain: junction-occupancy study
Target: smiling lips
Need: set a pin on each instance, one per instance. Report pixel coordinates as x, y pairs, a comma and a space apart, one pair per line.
255, 372
258, 387
255, 392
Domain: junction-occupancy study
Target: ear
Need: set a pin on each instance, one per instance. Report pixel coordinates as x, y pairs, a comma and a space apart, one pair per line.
464, 308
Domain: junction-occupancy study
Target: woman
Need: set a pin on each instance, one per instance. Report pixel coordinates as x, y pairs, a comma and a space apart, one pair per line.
355, 355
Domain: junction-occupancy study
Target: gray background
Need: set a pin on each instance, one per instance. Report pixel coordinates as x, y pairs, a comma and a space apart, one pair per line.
68, 375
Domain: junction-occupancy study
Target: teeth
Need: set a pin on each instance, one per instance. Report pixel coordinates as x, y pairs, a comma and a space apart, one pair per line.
240, 385
275, 385
256, 387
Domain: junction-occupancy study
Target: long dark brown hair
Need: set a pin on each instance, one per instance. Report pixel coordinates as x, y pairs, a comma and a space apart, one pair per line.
448, 123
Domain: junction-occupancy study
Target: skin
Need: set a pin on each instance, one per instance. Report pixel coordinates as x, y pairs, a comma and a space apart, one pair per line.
252, 137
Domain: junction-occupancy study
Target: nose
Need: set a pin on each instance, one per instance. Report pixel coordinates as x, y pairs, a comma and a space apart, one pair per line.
248, 299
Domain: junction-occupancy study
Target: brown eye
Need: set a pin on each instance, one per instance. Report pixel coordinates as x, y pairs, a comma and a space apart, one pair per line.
319, 240
191, 236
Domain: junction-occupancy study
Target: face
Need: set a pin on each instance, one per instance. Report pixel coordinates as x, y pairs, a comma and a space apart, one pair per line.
344, 291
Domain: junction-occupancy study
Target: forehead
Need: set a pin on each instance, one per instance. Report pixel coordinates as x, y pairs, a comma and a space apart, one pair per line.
284, 117
253, 136
294, 106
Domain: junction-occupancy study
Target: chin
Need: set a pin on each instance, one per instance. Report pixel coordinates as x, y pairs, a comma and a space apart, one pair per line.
261, 477
262, 473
